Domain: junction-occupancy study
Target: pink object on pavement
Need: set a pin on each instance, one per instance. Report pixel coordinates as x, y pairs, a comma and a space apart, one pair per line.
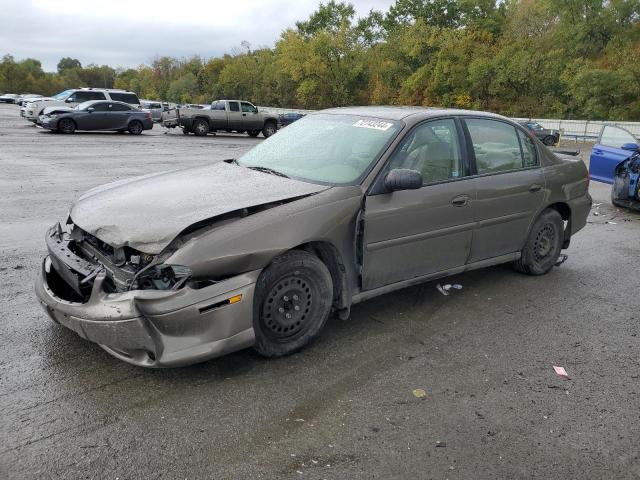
561, 371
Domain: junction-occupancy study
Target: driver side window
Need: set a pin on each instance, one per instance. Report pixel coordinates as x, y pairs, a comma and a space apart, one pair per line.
432, 149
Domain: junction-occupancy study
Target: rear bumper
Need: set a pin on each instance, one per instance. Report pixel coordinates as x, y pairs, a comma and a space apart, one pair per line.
151, 328
580, 208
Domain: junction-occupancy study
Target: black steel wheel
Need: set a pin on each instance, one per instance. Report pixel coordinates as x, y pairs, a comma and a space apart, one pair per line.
543, 246
549, 140
269, 129
135, 127
292, 303
66, 125
200, 128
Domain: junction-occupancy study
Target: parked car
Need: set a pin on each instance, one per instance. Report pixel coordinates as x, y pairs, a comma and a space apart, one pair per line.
27, 97
76, 96
343, 205
156, 109
289, 117
615, 159
547, 136
8, 98
97, 115
226, 115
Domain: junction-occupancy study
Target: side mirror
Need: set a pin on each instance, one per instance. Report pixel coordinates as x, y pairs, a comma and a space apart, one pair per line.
630, 146
402, 179
90, 109
69, 100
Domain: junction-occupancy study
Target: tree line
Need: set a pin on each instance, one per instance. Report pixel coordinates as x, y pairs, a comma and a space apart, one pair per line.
521, 58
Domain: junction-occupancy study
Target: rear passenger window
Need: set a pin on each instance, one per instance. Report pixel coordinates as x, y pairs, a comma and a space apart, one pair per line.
495, 144
432, 149
234, 107
118, 107
529, 155
130, 98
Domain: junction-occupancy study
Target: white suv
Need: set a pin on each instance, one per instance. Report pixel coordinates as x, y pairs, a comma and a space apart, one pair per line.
75, 96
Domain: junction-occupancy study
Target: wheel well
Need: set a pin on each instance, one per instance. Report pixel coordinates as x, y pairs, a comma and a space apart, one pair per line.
331, 257
565, 212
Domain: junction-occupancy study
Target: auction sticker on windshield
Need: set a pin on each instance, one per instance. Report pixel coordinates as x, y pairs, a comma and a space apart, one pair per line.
375, 124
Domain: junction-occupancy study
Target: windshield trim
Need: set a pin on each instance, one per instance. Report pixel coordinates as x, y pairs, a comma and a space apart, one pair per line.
402, 125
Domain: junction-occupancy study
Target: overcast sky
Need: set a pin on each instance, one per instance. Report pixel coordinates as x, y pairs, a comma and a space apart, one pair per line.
127, 33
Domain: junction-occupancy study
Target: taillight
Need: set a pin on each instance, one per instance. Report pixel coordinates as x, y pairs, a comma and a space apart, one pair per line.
149, 115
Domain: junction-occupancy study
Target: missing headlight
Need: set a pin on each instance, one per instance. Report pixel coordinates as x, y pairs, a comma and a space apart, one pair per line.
162, 277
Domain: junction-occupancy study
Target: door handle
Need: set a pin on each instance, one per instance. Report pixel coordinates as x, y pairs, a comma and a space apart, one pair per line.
244, 114
597, 151
460, 200
535, 188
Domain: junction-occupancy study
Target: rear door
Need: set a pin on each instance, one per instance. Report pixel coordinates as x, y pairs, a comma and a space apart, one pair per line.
413, 233
510, 186
608, 153
117, 117
235, 116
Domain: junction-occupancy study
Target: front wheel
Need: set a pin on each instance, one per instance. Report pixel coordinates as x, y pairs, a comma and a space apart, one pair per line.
549, 140
66, 125
269, 129
543, 246
135, 128
292, 301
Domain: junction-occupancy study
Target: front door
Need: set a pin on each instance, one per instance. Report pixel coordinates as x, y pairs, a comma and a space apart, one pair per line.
413, 233
250, 117
510, 187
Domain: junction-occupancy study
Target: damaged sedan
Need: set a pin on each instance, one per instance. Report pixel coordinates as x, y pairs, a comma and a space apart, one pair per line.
615, 159
345, 204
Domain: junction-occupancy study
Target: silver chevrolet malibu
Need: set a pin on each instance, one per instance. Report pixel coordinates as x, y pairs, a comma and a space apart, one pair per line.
345, 204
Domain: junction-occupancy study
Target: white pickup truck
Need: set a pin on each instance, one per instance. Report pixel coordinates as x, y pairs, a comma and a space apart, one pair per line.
222, 115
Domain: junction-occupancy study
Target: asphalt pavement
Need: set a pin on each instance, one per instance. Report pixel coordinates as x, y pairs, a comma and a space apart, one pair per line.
344, 408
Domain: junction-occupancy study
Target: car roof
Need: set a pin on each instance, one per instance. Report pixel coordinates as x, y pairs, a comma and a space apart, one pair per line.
402, 113
115, 90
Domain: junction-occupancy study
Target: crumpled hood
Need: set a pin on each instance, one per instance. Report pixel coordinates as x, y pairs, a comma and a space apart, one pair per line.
148, 212
58, 109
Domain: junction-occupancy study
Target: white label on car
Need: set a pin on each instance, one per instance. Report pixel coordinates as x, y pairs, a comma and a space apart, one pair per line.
375, 124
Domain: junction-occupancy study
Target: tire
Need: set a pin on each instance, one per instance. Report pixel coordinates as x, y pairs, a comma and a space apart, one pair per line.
543, 245
269, 129
135, 127
185, 131
292, 302
549, 140
66, 125
200, 128
253, 133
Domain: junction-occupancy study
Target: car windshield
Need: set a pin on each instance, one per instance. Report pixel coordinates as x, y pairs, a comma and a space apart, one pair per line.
63, 95
324, 148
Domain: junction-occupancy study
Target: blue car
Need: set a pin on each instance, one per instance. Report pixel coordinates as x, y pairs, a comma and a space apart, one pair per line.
615, 159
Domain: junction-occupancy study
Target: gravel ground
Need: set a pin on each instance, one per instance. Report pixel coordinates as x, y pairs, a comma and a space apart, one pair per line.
343, 408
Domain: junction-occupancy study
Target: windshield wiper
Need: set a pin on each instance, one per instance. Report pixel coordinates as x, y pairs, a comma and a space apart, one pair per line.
269, 170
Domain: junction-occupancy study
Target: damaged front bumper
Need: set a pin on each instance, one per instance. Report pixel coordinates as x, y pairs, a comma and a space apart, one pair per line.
151, 328
625, 191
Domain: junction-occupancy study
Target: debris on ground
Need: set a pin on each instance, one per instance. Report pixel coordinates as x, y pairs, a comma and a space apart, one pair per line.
419, 393
610, 223
445, 289
561, 259
441, 444
561, 371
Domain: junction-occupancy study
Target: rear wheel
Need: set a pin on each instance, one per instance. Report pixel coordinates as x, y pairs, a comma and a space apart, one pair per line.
200, 128
66, 125
549, 140
292, 301
253, 133
269, 129
135, 127
543, 246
